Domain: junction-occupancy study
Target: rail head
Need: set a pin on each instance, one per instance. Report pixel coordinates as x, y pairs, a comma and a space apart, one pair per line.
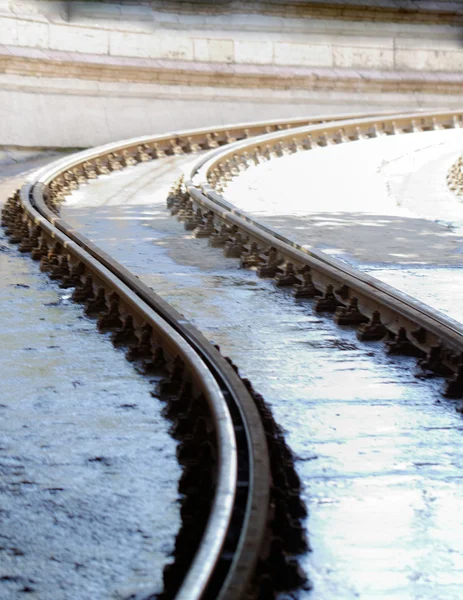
256, 514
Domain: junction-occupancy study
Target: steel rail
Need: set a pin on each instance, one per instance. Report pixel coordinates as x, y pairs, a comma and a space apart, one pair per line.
341, 129
426, 328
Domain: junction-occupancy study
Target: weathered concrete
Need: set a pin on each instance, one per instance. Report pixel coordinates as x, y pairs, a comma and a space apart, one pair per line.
30, 106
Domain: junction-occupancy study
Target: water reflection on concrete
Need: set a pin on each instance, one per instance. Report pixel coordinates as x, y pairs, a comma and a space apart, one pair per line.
379, 451
88, 473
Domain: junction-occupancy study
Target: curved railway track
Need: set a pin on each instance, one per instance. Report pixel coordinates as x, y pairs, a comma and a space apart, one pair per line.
241, 506
356, 299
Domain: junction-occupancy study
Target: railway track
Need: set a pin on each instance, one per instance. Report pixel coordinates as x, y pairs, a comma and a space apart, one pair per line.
355, 299
241, 510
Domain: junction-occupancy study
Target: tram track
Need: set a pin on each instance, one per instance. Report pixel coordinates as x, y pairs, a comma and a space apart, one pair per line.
238, 550
355, 299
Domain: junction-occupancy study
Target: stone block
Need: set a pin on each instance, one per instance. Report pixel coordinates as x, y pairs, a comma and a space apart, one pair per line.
95, 10
363, 58
145, 45
8, 31
260, 53
137, 12
221, 51
430, 60
78, 39
355, 40
201, 50
450, 41
175, 46
25, 7
315, 55
32, 34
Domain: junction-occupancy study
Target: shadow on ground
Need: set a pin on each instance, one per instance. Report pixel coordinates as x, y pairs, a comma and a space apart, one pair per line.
373, 238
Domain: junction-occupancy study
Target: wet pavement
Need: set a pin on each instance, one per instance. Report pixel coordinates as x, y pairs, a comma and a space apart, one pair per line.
379, 450
88, 472
381, 205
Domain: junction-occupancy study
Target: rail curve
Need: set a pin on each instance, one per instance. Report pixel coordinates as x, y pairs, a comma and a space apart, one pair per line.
231, 447
354, 298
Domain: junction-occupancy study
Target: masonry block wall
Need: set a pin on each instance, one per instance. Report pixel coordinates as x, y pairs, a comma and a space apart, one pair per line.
80, 73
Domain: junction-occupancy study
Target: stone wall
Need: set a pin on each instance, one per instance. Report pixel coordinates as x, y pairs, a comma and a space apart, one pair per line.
220, 59
142, 31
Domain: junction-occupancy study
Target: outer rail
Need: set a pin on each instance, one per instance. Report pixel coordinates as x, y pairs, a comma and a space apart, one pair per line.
354, 297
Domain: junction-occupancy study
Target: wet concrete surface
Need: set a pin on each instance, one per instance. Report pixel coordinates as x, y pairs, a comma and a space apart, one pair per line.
88, 472
379, 450
381, 205
14, 172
